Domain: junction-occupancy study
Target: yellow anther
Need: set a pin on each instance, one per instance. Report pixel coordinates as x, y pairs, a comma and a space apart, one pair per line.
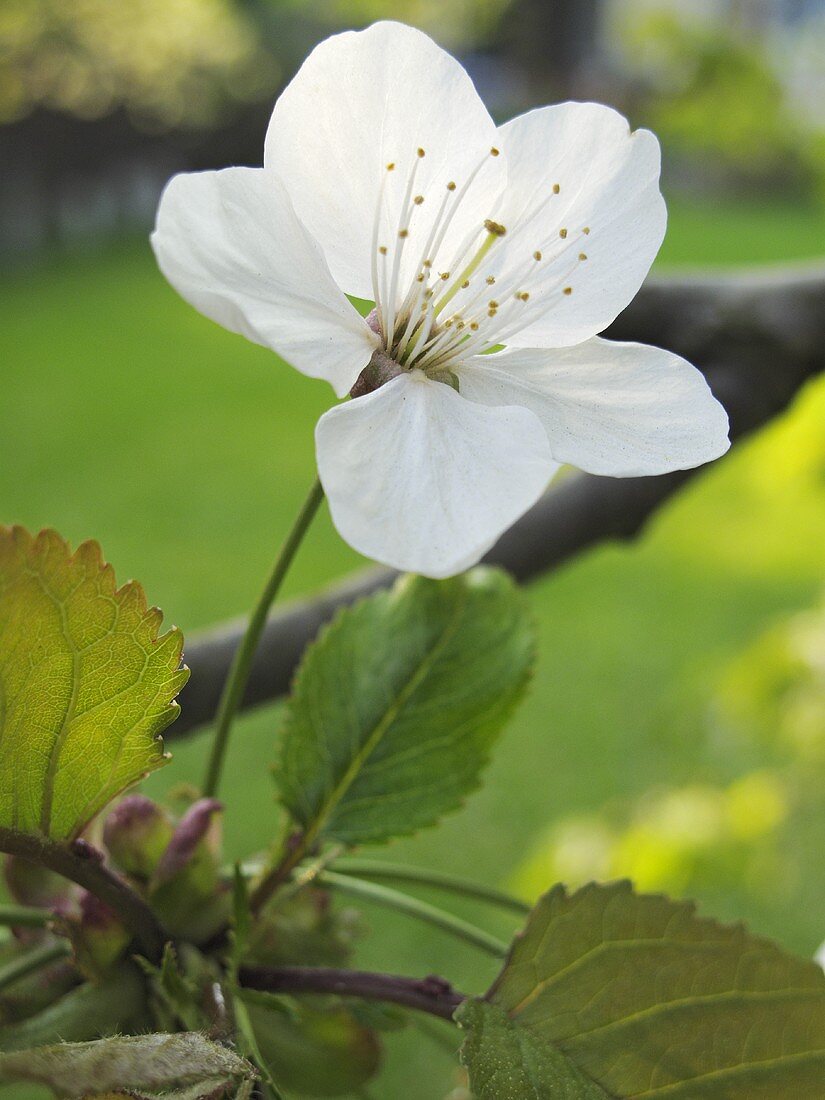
494, 152
556, 188
494, 228
568, 290
491, 312
490, 280
536, 255
522, 295
444, 275
427, 263
582, 255
383, 249
474, 326
418, 200
563, 234
403, 233
391, 166
465, 284
586, 230
451, 186
419, 278
420, 152
459, 325
492, 304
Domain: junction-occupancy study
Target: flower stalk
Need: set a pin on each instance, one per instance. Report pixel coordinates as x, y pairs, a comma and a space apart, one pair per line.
239, 670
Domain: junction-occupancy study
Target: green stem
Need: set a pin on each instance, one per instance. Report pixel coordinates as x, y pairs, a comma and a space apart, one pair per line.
239, 670
24, 916
413, 907
36, 959
398, 872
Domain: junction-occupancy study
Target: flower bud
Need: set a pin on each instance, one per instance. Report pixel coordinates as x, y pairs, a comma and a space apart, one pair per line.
97, 936
32, 884
186, 889
136, 834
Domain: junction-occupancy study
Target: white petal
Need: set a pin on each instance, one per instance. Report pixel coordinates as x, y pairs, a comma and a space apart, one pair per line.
420, 479
608, 209
608, 408
230, 243
365, 99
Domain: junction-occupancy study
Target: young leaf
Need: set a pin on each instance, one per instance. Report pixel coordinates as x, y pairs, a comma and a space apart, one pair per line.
86, 684
186, 1065
314, 1051
396, 705
635, 996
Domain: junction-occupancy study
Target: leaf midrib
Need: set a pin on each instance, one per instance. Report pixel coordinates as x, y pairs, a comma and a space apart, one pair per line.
340, 789
752, 1069
605, 946
68, 716
698, 1000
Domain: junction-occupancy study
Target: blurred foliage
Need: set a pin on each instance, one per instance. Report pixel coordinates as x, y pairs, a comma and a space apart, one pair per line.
458, 23
716, 97
767, 719
750, 825
168, 62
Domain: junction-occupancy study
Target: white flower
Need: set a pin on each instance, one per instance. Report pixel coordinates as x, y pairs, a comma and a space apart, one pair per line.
385, 178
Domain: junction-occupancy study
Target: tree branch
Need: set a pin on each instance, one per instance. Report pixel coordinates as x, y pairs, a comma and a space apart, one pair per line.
432, 995
759, 336
81, 863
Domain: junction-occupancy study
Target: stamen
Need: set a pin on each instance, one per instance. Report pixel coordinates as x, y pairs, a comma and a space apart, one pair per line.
563, 234
464, 278
537, 255
556, 188
582, 255
406, 214
568, 290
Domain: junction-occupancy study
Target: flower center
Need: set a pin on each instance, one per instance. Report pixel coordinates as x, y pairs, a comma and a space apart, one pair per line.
457, 301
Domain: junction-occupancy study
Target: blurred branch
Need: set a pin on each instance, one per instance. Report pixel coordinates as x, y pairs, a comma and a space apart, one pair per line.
758, 336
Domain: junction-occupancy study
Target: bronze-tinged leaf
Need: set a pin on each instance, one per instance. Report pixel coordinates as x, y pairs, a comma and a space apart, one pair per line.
87, 684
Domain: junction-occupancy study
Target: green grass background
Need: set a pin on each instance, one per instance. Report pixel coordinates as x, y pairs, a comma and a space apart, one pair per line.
185, 451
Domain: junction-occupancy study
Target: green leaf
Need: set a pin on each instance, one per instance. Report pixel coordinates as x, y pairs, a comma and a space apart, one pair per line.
314, 1051
508, 1062
643, 998
185, 1066
396, 706
86, 684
